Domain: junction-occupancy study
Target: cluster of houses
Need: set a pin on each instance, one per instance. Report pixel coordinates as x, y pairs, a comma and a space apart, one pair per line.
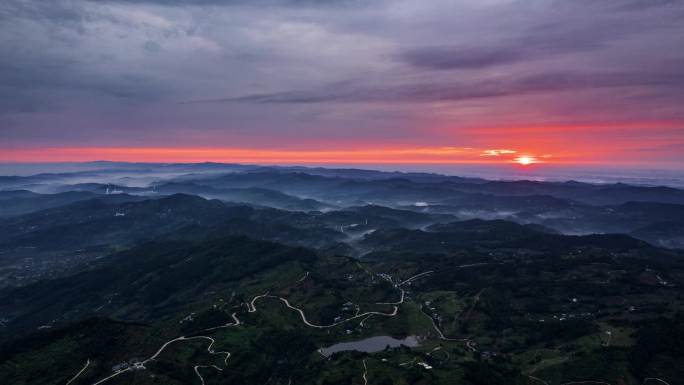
189, 318
434, 314
133, 363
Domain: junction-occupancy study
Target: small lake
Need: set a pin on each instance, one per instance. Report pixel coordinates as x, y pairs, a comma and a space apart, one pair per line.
370, 345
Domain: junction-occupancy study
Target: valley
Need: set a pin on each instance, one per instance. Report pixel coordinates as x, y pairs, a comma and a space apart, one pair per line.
182, 289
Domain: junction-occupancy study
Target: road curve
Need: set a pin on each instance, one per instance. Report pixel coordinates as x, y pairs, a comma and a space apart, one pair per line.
307, 323
79, 372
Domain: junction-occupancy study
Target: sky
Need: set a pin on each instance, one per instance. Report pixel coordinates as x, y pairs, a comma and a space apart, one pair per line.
555, 82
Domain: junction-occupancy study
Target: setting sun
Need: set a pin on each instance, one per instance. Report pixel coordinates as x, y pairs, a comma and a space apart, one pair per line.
525, 160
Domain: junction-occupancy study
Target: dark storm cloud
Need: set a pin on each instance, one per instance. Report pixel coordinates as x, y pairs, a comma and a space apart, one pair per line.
27, 84
48, 11
543, 43
27, 73
105, 70
639, 5
539, 41
456, 58
34, 72
231, 2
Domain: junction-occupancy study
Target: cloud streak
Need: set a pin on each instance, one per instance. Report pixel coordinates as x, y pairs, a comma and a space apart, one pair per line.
493, 88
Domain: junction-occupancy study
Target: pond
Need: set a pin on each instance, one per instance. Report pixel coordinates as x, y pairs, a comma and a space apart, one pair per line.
370, 345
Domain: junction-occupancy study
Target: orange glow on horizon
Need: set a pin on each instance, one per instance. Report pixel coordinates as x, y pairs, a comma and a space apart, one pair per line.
423, 155
526, 160
571, 144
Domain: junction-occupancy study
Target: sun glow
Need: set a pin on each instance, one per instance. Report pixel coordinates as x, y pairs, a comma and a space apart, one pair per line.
526, 160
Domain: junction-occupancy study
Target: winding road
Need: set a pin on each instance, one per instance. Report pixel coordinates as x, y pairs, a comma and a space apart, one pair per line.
141, 365
307, 323
251, 308
365, 372
647, 379
235, 322
79, 372
197, 368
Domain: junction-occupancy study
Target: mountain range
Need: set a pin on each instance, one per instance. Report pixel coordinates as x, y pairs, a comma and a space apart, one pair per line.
210, 273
